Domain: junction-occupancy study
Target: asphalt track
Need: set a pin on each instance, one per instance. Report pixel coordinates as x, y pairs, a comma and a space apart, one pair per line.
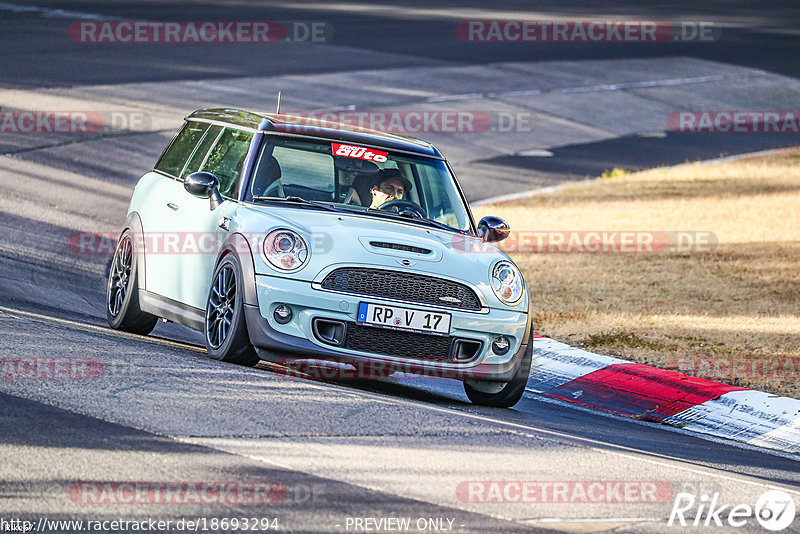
163, 412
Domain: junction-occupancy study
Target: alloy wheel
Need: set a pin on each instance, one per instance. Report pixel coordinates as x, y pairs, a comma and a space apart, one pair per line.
120, 275
221, 305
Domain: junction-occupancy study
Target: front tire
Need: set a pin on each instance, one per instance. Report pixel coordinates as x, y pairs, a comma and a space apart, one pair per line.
122, 291
226, 336
502, 394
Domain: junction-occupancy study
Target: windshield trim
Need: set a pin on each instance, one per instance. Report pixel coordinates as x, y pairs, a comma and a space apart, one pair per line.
473, 228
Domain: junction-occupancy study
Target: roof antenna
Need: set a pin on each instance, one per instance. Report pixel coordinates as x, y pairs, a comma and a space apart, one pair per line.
278, 111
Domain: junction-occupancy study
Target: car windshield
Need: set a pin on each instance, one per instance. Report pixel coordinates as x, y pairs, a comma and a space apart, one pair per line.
358, 179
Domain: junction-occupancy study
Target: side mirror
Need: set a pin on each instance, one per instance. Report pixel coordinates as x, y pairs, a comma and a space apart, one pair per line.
204, 185
492, 229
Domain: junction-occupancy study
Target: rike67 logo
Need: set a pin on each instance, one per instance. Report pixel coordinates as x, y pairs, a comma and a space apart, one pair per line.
774, 511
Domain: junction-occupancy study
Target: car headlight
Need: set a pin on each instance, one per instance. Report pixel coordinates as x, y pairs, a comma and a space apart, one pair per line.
285, 250
507, 282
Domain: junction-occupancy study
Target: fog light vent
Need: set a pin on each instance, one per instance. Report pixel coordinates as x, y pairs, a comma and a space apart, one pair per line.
283, 314
501, 345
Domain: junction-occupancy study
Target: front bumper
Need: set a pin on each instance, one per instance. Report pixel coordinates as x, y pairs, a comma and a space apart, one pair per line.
298, 338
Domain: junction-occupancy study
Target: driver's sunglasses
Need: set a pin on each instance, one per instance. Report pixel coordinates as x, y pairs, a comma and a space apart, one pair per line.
397, 191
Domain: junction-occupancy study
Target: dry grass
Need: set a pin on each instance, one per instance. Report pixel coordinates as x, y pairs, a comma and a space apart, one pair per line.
729, 313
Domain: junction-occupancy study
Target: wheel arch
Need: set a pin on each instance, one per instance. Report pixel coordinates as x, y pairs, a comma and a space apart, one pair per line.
134, 223
237, 245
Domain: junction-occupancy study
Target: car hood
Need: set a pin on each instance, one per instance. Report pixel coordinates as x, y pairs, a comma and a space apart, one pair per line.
342, 239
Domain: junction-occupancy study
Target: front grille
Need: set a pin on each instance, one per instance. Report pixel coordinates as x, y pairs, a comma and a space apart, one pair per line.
398, 285
400, 246
397, 343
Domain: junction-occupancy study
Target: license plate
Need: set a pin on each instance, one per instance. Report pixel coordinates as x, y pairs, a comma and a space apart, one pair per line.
404, 319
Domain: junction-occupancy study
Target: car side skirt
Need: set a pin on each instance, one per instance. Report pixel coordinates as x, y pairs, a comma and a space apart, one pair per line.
172, 310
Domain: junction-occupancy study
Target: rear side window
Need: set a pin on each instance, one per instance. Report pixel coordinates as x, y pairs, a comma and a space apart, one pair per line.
175, 156
200, 155
226, 159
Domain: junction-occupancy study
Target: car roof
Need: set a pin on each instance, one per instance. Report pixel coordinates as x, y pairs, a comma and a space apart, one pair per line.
313, 128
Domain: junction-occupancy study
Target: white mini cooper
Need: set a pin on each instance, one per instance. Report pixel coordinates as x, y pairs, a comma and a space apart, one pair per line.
320, 241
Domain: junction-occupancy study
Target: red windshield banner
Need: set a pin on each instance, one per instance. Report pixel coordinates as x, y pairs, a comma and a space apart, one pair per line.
359, 152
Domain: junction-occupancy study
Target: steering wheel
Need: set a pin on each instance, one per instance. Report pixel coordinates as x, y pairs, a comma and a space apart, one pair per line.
399, 205
349, 196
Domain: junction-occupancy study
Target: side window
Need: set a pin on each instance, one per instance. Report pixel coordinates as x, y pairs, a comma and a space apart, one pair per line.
175, 156
201, 152
226, 159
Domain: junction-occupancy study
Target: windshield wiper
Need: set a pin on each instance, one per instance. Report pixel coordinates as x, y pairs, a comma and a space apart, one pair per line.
298, 200
392, 215
417, 218
431, 222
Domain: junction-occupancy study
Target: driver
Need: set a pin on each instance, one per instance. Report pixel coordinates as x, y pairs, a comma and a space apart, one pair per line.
392, 185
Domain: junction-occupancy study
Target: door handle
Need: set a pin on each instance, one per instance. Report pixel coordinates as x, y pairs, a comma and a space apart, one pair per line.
173, 207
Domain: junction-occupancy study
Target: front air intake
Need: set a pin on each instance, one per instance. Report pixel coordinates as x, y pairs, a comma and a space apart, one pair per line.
465, 350
329, 331
400, 246
402, 286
